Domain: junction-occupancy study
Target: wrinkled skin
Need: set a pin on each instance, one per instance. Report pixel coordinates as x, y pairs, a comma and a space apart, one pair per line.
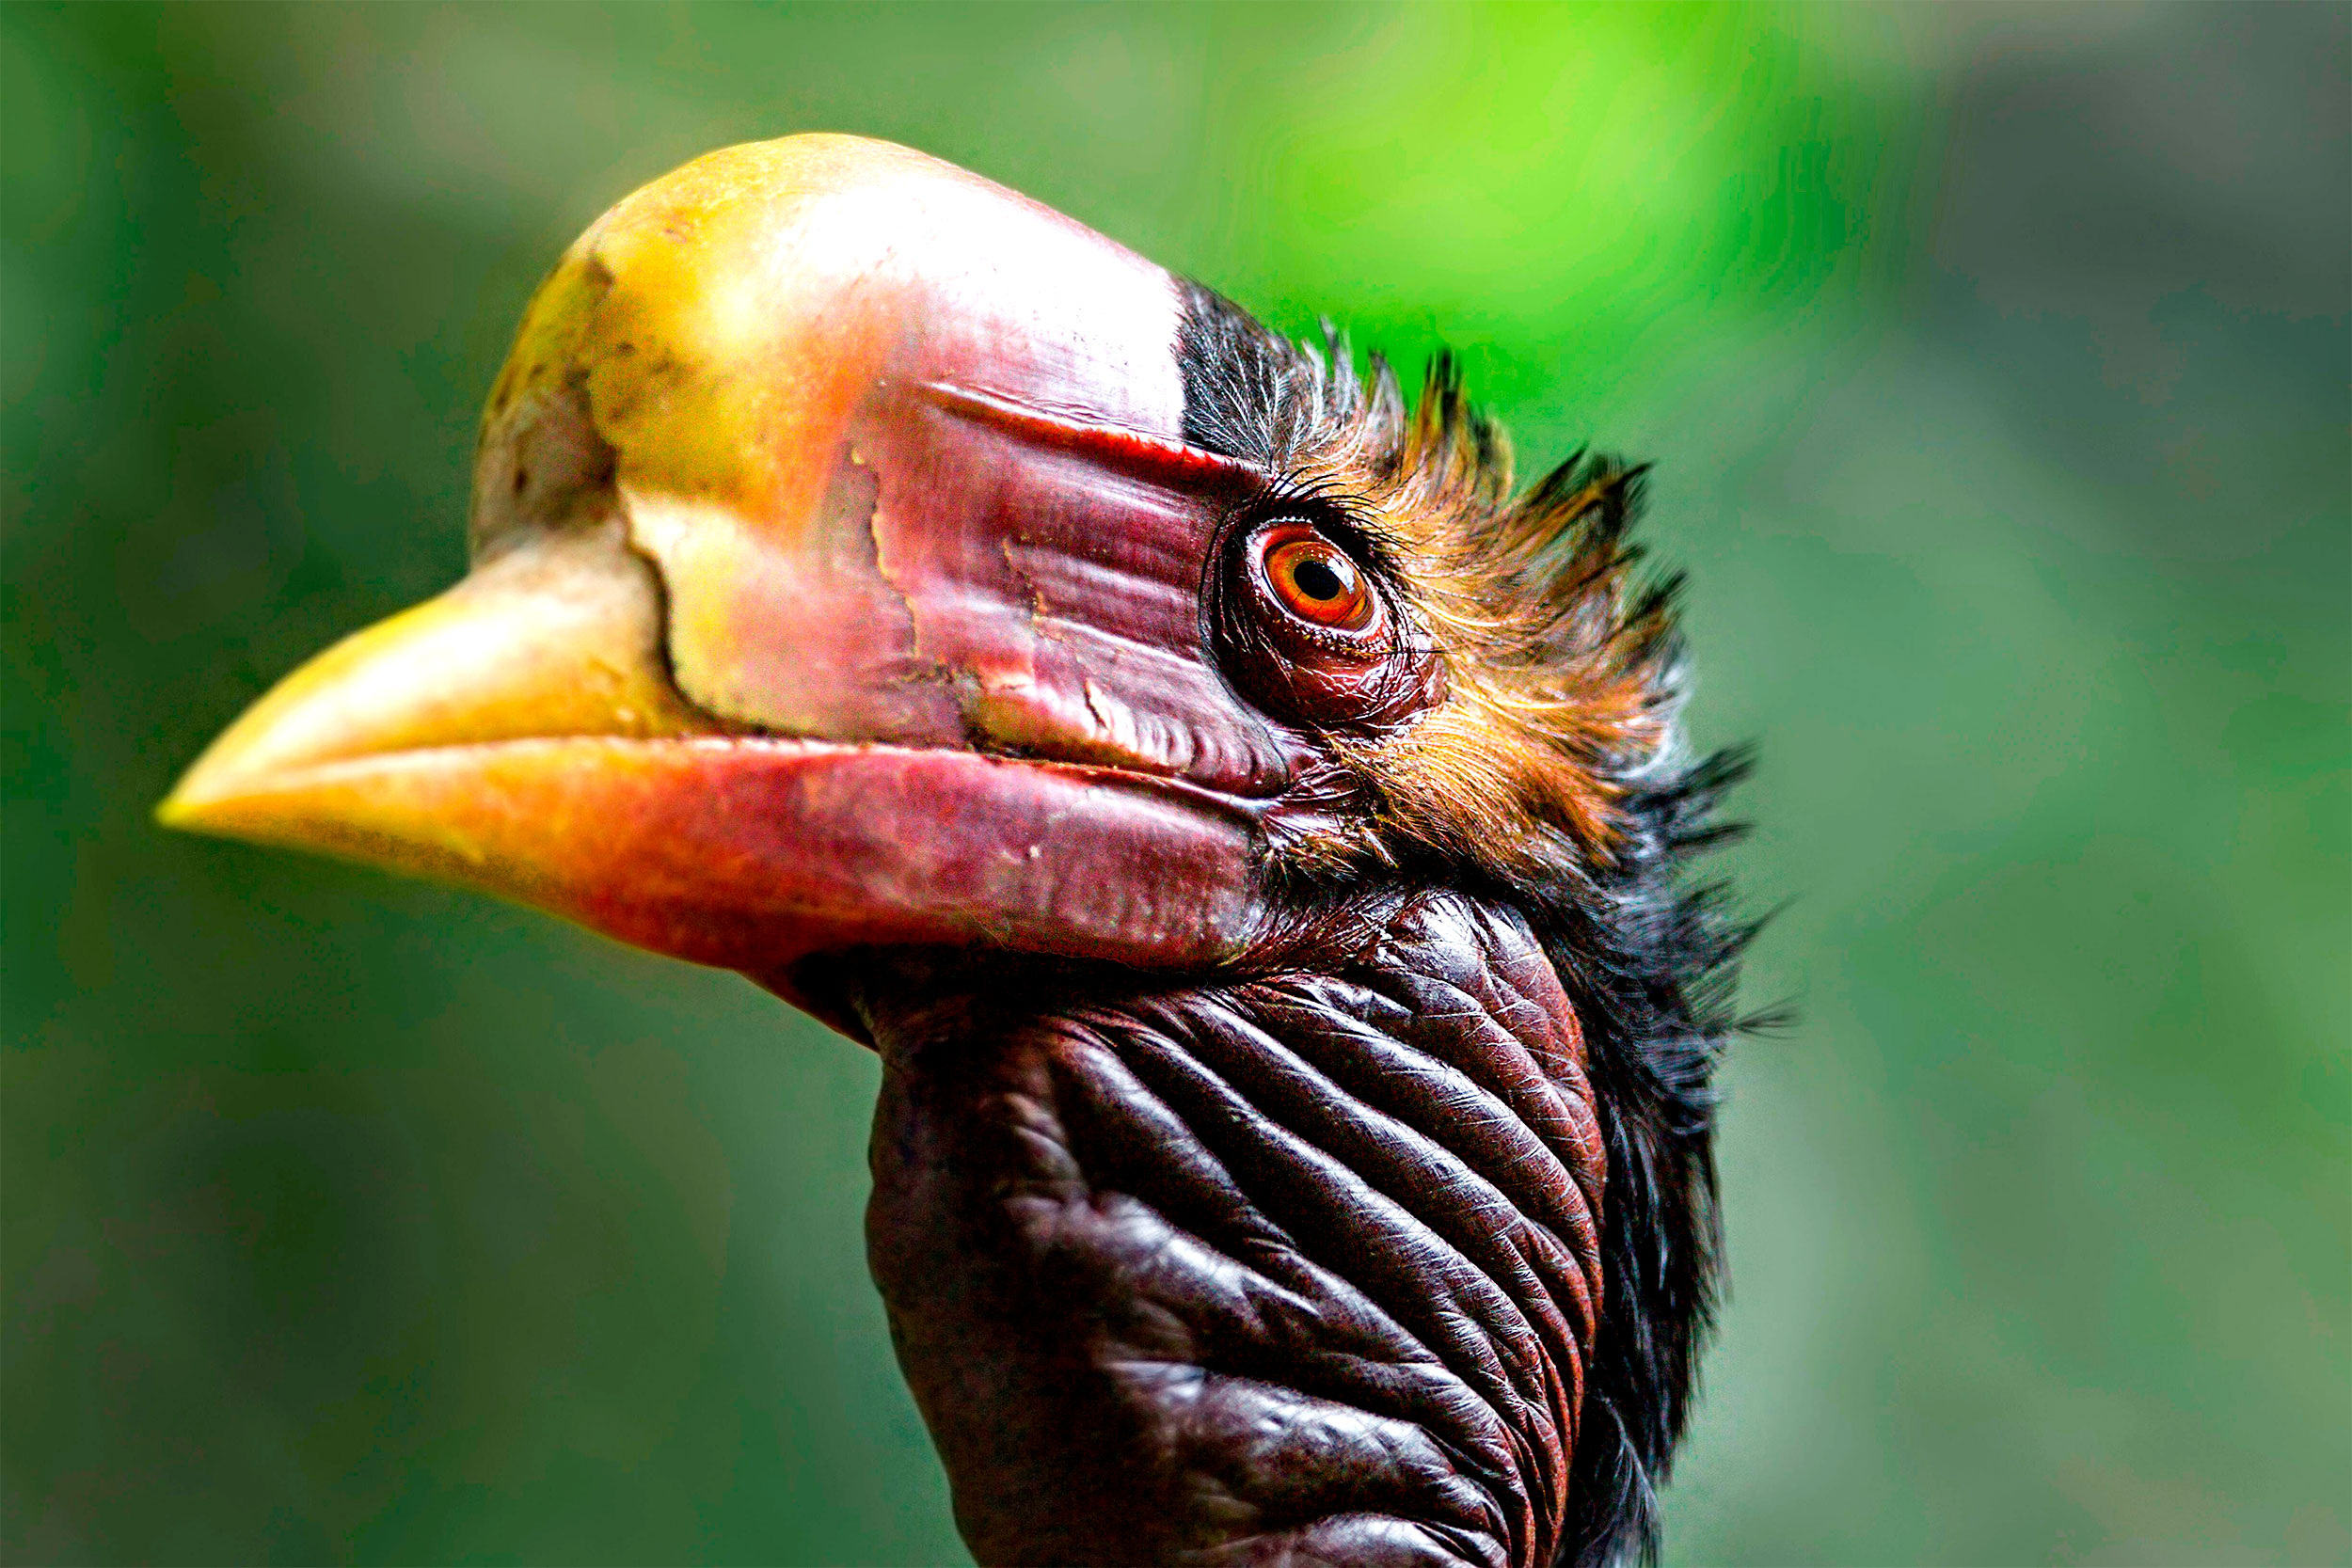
1293, 1269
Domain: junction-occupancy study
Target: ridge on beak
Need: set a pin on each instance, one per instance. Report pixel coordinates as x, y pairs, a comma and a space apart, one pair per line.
838, 560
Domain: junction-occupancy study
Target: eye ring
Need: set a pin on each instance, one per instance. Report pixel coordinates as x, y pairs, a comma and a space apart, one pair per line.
1315, 581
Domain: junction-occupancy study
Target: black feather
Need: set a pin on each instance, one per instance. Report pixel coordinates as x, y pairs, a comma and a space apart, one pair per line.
1649, 957
1649, 961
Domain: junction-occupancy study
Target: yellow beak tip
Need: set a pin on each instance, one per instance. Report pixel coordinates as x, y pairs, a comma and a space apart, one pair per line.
180, 812
197, 805
203, 795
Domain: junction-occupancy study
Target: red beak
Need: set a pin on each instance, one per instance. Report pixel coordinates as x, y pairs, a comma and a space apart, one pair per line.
839, 573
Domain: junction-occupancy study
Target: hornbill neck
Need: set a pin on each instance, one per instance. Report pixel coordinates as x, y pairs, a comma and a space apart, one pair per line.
1300, 1267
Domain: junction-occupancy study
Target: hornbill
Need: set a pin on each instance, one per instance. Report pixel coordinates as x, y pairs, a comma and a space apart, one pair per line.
1250, 834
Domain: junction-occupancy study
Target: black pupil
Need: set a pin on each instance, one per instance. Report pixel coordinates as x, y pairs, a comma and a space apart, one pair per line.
1317, 580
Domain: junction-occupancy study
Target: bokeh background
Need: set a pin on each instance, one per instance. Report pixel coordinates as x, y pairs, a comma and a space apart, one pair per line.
1996, 365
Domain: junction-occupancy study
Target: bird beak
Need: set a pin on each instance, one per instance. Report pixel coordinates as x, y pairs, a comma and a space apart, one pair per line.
838, 558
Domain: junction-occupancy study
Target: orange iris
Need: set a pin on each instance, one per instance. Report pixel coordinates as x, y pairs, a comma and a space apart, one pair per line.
1314, 579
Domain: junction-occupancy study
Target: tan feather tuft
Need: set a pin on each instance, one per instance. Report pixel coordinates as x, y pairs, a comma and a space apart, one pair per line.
1561, 670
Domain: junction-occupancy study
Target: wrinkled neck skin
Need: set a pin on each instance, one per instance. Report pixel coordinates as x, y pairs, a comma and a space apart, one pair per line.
1300, 1267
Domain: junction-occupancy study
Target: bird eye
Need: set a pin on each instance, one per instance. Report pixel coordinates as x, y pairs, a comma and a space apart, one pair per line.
1314, 579
1308, 633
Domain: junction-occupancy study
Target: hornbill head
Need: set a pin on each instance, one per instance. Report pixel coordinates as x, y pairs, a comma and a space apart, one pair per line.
1246, 827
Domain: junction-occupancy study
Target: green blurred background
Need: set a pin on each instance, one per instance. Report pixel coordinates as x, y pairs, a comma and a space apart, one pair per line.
1996, 365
